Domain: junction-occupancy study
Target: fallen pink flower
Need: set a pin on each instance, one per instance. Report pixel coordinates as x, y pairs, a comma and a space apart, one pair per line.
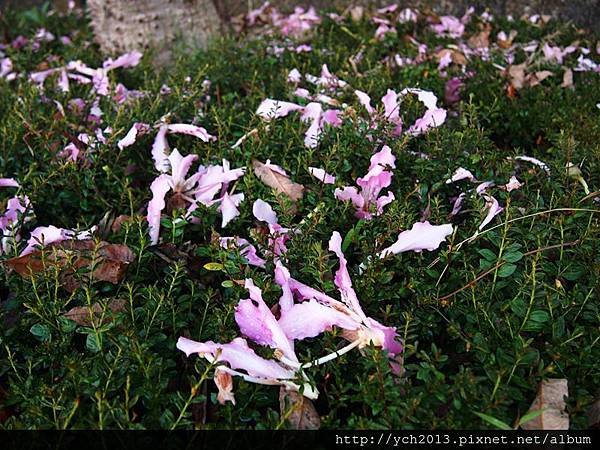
422, 236
368, 203
18, 211
201, 187
9, 182
317, 312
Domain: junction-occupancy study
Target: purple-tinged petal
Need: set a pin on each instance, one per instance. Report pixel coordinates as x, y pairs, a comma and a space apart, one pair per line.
513, 184
9, 182
160, 186
257, 322
390, 105
342, 278
311, 318
482, 187
263, 212
126, 60
294, 76
321, 175
273, 109
238, 355
332, 117
461, 174
160, 147
228, 207
180, 166
350, 193
42, 236
132, 134
493, 210
384, 337
422, 236
365, 100
191, 130
457, 206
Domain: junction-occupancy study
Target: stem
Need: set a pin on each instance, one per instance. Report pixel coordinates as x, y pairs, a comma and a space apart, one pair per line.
321, 360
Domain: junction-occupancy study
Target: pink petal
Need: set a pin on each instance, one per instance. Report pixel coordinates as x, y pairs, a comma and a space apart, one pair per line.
257, 322
482, 187
332, 117
273, 109
365, 100
160, 147
311, 318
191, 130
42, 236
126, 60
390, 104
9, 182
294, 76
228, 207
493, 210
263, 212
350, 193
180, 166
422, 236
457, 206
513, 184
131, 135
239, 356
160, 186
384, 337
321, 175
461, 174
342, 278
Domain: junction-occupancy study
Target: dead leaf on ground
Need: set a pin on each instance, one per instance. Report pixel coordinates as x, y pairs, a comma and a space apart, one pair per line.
481, 39
106, 262
536, 78
85, 315
519, 78
457, 57
551, 399
281, 183
567, 81
298, 410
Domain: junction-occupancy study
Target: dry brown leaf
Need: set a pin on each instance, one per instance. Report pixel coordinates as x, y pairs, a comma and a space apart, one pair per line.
457, 57
281, 183
551, 399
516, 74
536, 78
84, 315
481, 39
298, 410
109, 261
567, 81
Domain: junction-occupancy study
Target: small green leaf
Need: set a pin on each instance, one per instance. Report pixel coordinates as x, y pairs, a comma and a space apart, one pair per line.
40, 331
487, 254
227, 284
213, 266
493, 421
91, 343
506, 270
512, 257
